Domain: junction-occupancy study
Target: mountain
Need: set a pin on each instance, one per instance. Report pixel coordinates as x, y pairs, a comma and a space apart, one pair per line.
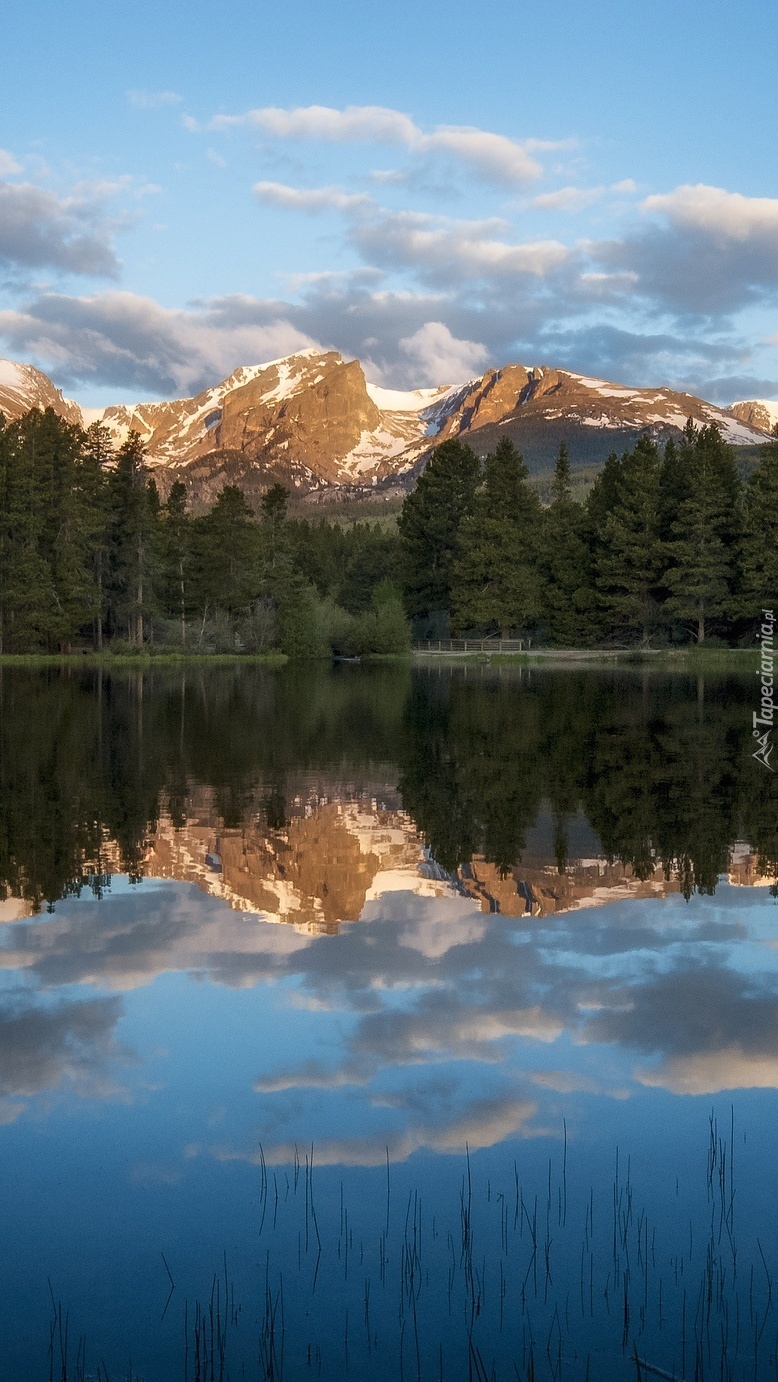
23, 387
761, 413
313, 422
310, 421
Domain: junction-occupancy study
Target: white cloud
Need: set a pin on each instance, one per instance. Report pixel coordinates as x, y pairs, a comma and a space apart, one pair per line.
492, 157
8, 164
724, 215
132, 341
153, 100
311, 200
578, 198
440, 357
354, 125
455, 250
568, 198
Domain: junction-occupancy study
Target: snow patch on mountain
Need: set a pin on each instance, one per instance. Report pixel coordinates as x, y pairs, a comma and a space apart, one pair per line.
415, 401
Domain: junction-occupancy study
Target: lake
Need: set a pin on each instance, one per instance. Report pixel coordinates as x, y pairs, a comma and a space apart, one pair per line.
378, 1022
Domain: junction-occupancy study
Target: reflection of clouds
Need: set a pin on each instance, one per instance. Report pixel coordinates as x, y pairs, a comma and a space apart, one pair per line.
425, 981
124, 942
484, 1123
45, 1047
710, 1028
430, 925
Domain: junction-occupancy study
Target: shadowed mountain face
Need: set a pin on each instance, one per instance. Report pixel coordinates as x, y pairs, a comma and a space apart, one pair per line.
301, 797
313, 422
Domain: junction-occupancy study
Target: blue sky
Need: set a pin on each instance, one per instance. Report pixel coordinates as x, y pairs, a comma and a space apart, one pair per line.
184, 189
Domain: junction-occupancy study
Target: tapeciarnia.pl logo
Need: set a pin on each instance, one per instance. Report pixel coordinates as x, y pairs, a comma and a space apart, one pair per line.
764, 718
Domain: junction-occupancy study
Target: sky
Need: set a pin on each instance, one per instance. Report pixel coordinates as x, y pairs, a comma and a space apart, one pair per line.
434, 189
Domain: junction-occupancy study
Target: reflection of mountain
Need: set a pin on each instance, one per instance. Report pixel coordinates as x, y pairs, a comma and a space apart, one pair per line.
540, 889
303, 795
339, 850
316, 871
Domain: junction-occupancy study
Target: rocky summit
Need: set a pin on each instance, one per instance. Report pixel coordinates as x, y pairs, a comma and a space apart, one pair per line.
313, 422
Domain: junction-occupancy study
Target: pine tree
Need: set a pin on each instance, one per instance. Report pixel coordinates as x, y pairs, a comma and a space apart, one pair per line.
702, 551
568, 599
96, 451
227, 544
176, 548
495, 578
628, 551
429, 526
26, 588
133, 505
760, 545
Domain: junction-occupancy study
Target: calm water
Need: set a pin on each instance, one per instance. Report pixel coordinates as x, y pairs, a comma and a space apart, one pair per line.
408, 1025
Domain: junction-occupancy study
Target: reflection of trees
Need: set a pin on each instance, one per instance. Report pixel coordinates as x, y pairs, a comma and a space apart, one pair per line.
87, 758
660, 766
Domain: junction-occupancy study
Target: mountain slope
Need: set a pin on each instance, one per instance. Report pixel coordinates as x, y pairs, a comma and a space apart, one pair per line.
23, 387
314, 423
761, 413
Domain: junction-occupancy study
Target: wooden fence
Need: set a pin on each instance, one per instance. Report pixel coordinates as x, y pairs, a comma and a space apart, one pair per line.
475, 645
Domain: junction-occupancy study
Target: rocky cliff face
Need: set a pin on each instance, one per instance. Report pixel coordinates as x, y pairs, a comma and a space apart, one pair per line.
760, 413
23, 387
314, 423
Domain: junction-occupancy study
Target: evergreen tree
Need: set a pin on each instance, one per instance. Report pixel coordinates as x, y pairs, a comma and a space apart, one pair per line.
628, 551
429, 526
760, 545
228, 573
569, 599
56, 447
26, 588
702, 551
176, 548
95, 454
495, 578
133, 507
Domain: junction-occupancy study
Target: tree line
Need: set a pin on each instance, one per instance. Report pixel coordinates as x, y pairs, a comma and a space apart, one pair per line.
90, 556
670, 545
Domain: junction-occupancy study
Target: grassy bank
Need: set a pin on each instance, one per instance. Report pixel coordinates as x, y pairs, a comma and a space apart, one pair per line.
650, 659
142, 658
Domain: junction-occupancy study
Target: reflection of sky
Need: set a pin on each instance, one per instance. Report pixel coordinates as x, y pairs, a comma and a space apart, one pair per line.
151, 1042
426, 1024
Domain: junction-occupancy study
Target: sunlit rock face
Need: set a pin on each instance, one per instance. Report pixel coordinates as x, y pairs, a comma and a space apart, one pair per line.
760, 413
541, 890
307, 421
23, 387
313, 422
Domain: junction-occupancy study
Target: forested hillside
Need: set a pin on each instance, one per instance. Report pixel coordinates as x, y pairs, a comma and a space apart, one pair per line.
670, 547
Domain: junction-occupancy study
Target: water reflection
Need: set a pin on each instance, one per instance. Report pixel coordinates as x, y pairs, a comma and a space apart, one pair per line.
299, 795
672, 995
445, 977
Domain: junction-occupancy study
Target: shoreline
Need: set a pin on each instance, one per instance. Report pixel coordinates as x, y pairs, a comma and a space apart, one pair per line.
735, 659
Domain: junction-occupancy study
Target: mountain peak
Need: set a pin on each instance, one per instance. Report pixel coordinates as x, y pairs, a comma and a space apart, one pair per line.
312, 422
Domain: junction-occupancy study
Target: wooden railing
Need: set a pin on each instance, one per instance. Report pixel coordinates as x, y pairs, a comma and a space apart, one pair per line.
475, 645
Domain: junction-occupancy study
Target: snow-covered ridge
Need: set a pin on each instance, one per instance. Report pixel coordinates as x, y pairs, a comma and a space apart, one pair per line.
312, 421
415, 401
